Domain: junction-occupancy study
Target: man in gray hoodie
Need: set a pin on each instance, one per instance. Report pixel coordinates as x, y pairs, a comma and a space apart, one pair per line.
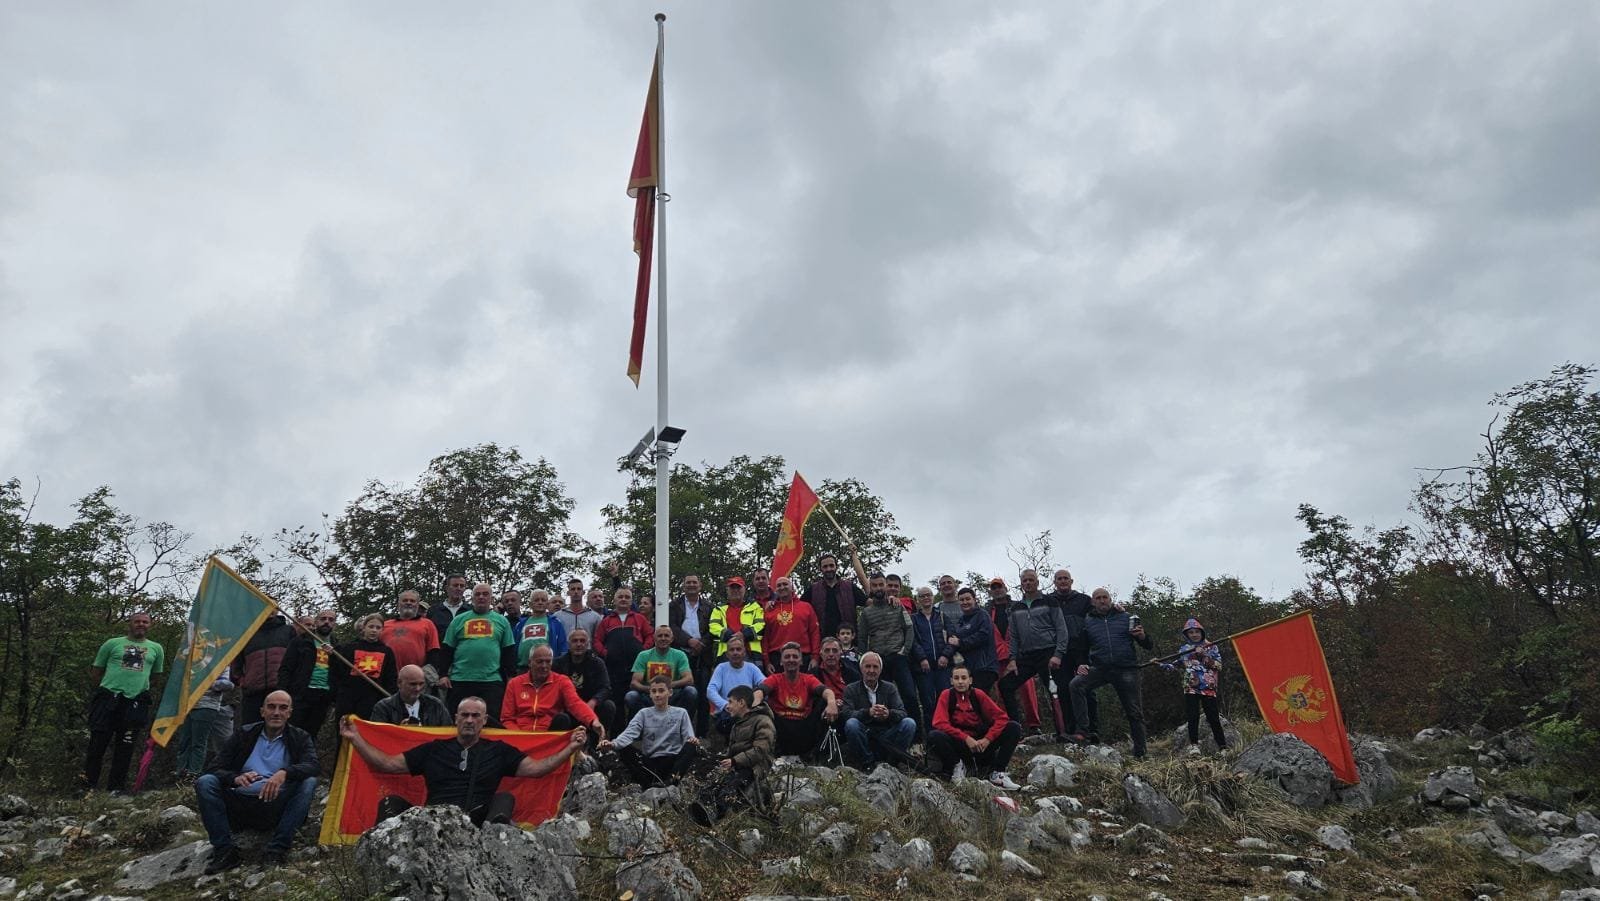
1039, 639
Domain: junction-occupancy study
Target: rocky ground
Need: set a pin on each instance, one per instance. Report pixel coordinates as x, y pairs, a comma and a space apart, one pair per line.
1440, 816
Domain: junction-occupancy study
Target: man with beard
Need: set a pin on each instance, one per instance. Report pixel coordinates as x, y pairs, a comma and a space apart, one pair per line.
802, 707
589, 677
1074, 605
409, 705
835, 600
464, 771
410, 635
689, 615
790, 619
455, 601
884, 627
306, 673
479, 652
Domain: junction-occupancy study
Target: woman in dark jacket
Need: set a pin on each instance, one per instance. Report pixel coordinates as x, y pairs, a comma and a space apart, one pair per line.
973, 638
351, 693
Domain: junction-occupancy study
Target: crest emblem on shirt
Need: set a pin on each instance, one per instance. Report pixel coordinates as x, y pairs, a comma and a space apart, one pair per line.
477, 628
785, 617
369, 662
653, 669
322, 655
793, 702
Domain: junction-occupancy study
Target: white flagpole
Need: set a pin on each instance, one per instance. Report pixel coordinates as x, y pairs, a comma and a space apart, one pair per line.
663, 450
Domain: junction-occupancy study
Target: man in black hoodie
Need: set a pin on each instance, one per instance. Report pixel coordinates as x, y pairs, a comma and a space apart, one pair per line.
258, 665
307, 673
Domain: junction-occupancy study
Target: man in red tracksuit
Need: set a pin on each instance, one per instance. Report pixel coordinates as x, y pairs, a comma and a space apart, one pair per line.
790, 619
971, 730
542, 701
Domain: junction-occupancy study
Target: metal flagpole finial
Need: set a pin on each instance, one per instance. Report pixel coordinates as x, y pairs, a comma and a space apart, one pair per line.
661, 17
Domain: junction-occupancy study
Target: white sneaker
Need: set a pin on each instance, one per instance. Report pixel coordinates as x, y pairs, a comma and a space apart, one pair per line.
1001, 780
1193, 751
960, 772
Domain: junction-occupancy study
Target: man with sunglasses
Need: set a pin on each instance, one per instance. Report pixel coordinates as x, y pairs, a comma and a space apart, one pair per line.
464, 771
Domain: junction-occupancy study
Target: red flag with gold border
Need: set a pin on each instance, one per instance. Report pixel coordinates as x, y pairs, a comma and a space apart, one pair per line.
356, 790
791, 544
642, 183
1289, 676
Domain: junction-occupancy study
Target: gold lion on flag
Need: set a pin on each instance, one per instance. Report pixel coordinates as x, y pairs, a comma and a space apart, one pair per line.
1299, 701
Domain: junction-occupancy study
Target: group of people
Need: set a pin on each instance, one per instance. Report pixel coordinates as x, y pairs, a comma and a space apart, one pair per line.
768, 670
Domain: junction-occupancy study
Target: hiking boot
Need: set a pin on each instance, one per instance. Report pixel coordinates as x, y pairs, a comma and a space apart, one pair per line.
222, 859
272, 857
1000, 780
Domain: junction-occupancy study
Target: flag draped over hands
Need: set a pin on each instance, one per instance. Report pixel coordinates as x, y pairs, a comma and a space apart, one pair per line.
226, 612
1289, 676
353, 798
791, 543
642, 184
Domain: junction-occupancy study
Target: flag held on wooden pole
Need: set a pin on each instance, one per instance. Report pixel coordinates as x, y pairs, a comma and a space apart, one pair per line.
791, 542
1289, 676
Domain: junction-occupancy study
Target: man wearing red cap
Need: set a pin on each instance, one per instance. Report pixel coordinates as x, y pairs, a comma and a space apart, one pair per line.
737, 617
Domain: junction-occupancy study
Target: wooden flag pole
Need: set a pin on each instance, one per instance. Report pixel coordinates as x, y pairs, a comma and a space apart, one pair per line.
1216, 642
855, 558
315, 638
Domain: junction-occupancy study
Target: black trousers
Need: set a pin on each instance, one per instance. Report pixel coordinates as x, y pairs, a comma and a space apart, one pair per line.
1034, 663
799, 737
310, 709
994, 758
496, 807
662, 769
1191, 709
115, 722
250, 706
493, 693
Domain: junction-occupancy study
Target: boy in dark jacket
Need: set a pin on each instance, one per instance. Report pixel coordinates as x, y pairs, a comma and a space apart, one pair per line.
1113, 661
263, 778
750, 747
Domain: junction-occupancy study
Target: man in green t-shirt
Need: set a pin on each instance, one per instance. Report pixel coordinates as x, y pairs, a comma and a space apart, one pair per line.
479, 653
663, 660
120, 707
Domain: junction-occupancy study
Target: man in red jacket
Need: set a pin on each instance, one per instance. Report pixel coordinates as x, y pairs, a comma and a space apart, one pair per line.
972, 732
542, 701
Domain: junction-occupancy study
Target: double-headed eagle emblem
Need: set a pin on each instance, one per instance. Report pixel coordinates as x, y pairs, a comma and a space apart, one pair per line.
1300, 701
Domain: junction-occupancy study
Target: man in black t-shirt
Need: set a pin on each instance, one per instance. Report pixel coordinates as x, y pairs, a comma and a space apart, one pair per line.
464, 771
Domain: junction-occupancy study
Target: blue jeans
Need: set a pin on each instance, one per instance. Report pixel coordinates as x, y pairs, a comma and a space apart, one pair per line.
929, 685
221, 807
863, 737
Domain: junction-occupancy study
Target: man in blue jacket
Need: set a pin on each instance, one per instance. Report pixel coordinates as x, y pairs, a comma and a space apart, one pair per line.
929, 665
1113, 661
263, 778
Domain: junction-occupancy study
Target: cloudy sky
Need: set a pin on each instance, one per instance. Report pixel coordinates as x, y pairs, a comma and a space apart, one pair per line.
1146, 275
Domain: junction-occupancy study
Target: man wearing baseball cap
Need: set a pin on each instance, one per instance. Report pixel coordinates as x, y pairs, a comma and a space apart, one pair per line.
736, 616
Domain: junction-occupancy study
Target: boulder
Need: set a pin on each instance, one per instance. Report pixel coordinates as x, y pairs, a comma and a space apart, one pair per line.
436, 852
1586, 821
663, 877
1105, 755
1051, 771
1379, 780
145, 873
1490, 837
1336, 838
750, 841
628, 834
933, 800
1062, 804
586, 797
14, 806
1012, 863
1293, 766
916, 854
1140, 836
968, 858
1568, 855
1208, 744
178, 817
883, 788
798, 792
1555, 821
1452, 782
1300, 879
1513, 817
1045, 832
1150, 805
1432, 734
836, 840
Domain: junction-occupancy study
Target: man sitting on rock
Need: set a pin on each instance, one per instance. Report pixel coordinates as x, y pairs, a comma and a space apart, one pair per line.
802, 706
875, 719
658, 745
409, 705
263, 778
464, 771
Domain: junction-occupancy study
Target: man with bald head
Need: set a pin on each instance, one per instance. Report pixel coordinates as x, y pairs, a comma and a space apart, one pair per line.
410, 705
1074, 605
479, 652
263, 778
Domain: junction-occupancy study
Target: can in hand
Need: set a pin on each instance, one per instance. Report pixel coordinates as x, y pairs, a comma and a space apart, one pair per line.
1133, 621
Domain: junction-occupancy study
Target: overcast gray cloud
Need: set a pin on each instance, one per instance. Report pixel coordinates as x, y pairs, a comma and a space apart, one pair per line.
1145, 275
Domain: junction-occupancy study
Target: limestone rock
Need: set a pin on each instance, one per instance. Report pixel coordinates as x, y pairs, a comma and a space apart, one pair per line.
933, 800
1555, 821
1490, 837
1140, 836
660, 878
586, 797
1045, 832
178, 817
1012, 863
1432, 734
1379, 780
883, 788
626, 834
14, 806
1292, 765
145, 873
1150, 805
1105, 755
1251, 843
780, 866
1568, 855
968, 858
837, 839
436, 852
750, 841
1585, 822
798, 792
1514, 817
1336, 838
1051, 771
1300, 879
1062, 804
1208, 744
1452, 781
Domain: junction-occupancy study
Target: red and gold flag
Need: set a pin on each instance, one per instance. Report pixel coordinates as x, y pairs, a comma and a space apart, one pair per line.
791, 544
353, 798
1289, 675
642, 184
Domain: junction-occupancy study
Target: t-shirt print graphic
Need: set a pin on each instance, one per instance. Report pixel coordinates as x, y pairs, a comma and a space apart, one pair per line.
478, 628
132, 657
653, 668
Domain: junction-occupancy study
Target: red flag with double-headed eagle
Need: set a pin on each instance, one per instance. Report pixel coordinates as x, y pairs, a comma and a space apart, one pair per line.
1289, 676
802, 500
642, 184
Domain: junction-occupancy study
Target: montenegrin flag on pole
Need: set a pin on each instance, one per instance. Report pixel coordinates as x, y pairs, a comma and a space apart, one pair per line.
791, 546
1289, 675
642, 184
226, 612
353, 798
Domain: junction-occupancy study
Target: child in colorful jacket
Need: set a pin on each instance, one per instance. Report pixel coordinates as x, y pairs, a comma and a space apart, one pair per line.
1202, 668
